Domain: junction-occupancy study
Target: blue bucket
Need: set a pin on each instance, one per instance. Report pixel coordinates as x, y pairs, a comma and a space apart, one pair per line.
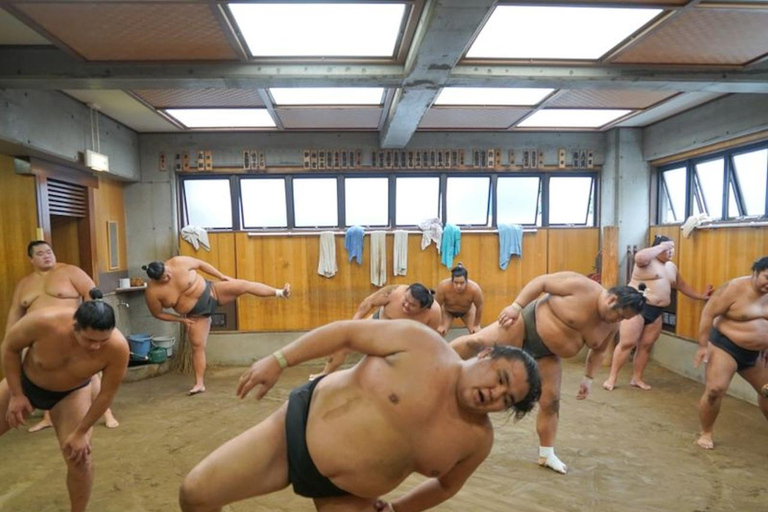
140, 344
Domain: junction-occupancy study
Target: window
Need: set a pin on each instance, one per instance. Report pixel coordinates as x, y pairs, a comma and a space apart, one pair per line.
751, 169
518, 200
207, 203
366, 201
315, 202
416, 199
468, 201
263, 203
708, 188
672, 196
571, 200
725, 185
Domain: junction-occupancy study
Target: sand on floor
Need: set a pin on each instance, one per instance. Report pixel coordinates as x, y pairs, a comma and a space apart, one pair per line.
628, 450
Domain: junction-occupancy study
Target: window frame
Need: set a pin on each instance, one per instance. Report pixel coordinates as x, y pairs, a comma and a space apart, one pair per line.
693, 189
391, 176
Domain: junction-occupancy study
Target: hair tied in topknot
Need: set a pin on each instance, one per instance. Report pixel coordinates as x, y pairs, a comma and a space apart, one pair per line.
641, 288
144, 267
96, 294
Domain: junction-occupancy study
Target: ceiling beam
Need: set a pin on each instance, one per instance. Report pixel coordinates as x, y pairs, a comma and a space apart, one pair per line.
49, 68
443, 36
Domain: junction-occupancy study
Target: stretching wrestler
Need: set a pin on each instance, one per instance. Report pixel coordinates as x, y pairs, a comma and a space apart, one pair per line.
65, 353
460, 298
414, 302
411, 406
52, 284
653, 266
176, 284
575, 311
735, 323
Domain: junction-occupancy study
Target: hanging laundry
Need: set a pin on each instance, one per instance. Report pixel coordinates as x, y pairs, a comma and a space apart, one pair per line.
510, 243
196, 236
353, 243
379, 258
400, 263
327, 266
451, 244
432, 232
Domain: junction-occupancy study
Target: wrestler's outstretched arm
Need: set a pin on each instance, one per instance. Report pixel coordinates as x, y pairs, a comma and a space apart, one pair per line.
388, 338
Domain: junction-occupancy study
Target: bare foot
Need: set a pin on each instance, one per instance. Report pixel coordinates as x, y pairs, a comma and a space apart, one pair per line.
196, 390
764, 391
609, 385
705, 441
313, 376
639, 384
110, 420
42, 425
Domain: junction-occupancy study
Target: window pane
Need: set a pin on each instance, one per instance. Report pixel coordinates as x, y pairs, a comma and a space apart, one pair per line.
518, 200
209, 204
672, 196
315, 202
751, 171
570, 200
263, 203
467, 201
710, 179
366, 201
416, 199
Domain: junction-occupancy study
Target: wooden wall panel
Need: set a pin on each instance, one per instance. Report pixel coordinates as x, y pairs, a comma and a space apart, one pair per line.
713, 256
109, 205
610, 257
221, 255
65, 240
318, 300
573, 249
18, 217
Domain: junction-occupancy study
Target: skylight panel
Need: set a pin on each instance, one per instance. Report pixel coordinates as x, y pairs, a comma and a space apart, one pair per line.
572, 118
222, 117
491, 96
327, 95
319, 30
587, 33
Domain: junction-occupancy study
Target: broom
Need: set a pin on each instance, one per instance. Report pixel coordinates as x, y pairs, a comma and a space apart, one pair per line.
183, 362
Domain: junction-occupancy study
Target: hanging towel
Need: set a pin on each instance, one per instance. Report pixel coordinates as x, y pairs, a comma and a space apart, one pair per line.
401, 253
451, 244
510, 243
196, 236
353, 243
327, 266
693, 222
432, 232
379, 258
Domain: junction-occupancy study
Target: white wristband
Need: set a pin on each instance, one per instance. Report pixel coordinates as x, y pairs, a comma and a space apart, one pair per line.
279, 293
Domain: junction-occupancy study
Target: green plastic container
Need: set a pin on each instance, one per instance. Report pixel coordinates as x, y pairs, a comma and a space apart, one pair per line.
158, 355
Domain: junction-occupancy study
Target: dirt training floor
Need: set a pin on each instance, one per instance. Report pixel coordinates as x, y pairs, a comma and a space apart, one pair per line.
628, 450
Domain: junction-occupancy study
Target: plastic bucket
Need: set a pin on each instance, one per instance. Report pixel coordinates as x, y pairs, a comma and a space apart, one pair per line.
140, 344
166, 342
157, 355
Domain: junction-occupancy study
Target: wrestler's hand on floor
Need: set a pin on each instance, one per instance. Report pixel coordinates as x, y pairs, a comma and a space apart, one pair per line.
584, 388
77, 448
18, 410
264, 372
382, 506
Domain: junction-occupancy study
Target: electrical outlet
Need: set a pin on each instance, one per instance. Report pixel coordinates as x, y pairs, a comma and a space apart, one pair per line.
247, 160
561, 158
162, 164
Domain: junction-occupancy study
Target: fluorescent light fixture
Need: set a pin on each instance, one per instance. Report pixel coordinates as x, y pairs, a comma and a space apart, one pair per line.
319, 30
327, 95
572, 118
522, 32
491, 96
222, 117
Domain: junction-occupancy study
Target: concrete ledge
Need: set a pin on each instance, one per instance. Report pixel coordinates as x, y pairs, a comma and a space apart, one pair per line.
146, 371
676, 354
